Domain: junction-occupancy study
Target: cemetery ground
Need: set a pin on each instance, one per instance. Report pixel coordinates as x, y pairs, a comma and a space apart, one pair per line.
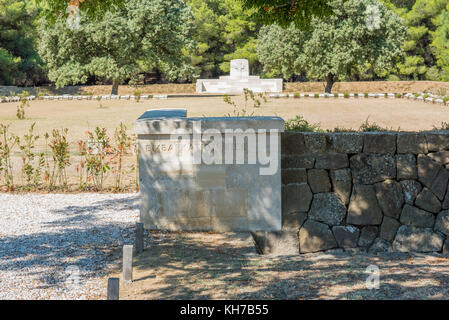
79, 116
66, 246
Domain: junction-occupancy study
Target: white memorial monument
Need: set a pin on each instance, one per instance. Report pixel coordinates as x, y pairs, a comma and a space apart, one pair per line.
202, 174
238, 80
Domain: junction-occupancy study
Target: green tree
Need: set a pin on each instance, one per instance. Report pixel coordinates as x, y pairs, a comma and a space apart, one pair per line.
441, 43
19, 62
120, 44
360, 35
421, 17
285, 12
223, 31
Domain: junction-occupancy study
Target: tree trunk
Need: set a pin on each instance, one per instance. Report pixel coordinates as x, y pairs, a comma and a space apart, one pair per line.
114, 87
330, 80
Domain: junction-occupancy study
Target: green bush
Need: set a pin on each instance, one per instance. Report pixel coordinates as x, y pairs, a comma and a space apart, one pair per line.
299, 124
366, 95
346, 95
296, 95
371, 127
316, 95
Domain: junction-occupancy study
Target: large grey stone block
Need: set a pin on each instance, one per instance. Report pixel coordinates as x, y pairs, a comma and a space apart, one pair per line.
410, 189
293, 221
316, 142
426, 200
441, 157
292, 143
342, 184
363, 207
372, 168
413, 239
318, 180
442, 223
331, 161
417, 217
388, 228
346, 236
406, 167
437, 140
433, 176
293, 161
367, 236
379, 142
296, 197
315, 236
347, 142
412, 142
390, 197
294, 176
327, 208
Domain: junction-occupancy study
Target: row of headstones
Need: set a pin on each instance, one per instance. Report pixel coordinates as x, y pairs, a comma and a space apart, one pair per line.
427, 97
84, 97
127, 264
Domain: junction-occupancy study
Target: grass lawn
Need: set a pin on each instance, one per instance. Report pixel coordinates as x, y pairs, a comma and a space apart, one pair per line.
82, 115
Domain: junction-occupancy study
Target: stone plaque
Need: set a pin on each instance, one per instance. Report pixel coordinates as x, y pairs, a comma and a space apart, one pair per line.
204, 174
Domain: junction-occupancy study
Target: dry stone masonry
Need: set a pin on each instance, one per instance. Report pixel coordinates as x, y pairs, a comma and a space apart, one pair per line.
363, 191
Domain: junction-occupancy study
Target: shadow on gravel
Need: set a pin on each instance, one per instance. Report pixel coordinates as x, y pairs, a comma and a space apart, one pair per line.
83, 240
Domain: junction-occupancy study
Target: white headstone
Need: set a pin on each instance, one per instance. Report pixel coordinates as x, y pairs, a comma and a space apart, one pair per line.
239, 68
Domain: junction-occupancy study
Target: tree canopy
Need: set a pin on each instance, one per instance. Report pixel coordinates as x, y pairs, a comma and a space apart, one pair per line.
285, 12
223, 31
20, 63
360, 35
120, 45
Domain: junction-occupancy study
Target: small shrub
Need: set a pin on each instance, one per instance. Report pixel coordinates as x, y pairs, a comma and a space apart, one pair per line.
342, 129
441, 92
137, 95
7, 143
346, 95
445, 99
31, 171
122, 146
444, 126
23, 103
299, 124
398, 95
61, 157
296, 95
316, 95
371, 127
96, 159
366, 95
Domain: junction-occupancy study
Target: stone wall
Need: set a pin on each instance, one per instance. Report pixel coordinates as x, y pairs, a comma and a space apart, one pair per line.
363, 191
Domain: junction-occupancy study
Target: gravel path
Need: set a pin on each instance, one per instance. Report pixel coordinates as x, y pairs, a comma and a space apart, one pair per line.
59, 246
